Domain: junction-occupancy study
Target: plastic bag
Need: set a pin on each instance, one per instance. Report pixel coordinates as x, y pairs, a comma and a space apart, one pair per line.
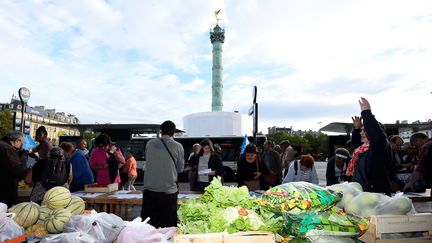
323, 224
136, 231
9, 229
101, 226
349, 191
297, 197
72, 237
366, 204
330, 239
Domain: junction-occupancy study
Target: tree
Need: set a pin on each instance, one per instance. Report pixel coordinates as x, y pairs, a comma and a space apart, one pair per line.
310, 143
5, 122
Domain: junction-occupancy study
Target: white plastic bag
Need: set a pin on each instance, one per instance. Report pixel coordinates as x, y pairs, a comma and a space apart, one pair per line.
104, 227
349, 190
9, 229
73, 237
366, 204
137, 231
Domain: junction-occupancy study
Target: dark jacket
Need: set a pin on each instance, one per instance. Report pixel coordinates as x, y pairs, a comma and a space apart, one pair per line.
214, 163
374, 165
330, 172
11, 171
246, 171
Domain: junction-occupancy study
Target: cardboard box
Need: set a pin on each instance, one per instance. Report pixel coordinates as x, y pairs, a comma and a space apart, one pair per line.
251, 236
108, 188
388, 224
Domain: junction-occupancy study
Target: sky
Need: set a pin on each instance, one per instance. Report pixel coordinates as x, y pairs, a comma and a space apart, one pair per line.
136, 61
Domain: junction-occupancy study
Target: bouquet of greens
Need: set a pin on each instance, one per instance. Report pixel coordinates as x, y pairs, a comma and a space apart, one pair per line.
223, 208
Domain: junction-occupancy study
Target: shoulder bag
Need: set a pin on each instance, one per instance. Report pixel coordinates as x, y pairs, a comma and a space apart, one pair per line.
172, 157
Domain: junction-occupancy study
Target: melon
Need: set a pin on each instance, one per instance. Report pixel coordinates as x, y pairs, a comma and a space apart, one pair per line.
76, 206
44, 212
37, 230
57, 197
56, 220
27, 213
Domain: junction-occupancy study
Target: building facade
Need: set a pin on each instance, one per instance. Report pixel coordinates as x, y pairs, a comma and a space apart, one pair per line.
37, 116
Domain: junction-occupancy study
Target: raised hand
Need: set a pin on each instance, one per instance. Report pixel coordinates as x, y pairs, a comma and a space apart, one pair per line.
356, 122
364, 104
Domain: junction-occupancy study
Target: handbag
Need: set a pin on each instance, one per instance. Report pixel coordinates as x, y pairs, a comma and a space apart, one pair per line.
38, 193
253, 185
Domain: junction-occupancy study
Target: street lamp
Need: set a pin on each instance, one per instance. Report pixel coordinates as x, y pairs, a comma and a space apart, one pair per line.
24, 95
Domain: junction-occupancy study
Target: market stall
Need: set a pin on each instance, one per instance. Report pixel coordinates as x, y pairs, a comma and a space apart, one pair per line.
295, 212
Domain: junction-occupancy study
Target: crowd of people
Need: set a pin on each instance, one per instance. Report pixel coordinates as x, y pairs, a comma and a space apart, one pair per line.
379, 163
69, 165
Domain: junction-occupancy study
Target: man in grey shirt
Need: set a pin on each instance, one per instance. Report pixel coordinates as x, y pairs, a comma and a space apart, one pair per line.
164, 159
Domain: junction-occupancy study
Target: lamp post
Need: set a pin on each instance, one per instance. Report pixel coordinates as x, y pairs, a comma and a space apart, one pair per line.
24, 95
254, 111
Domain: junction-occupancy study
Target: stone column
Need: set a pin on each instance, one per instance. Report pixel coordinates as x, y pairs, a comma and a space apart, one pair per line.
217, 38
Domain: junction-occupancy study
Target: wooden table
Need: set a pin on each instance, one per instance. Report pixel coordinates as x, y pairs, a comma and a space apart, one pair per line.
118, 202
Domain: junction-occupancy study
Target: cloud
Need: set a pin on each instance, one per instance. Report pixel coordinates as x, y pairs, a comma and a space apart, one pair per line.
146, 61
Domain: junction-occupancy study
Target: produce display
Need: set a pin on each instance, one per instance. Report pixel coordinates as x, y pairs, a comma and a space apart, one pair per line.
37, 230
296, 197
367, 203
76, 206
44, 212
57, 197
27, 213
55, 222
223, 208
297, 209
349, 191
323, 224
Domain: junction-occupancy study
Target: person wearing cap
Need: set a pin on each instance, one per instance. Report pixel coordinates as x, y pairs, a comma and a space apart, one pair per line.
336, 167
288, 155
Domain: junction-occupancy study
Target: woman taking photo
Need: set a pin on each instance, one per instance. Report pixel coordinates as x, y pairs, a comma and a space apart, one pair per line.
208, 163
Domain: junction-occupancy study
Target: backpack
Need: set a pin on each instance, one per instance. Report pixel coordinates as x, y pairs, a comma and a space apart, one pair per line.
112, 168
54, 174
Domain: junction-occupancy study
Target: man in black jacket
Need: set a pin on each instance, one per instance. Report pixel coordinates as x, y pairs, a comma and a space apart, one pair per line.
11, 169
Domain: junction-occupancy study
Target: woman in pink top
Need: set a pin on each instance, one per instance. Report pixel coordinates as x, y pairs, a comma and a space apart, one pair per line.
99, 159
131, 169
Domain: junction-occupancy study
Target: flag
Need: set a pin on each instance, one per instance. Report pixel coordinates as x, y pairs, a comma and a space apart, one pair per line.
29, 143
244, 144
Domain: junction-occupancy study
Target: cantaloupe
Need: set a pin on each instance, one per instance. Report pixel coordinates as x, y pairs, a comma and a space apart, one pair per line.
76, 206
56, 220
57, 197
37, 230
27, 213
44, 212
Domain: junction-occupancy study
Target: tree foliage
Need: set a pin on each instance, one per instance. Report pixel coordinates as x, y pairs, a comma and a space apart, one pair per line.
310, 142
5, 122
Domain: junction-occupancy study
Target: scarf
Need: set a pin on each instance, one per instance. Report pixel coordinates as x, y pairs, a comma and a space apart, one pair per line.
354, 160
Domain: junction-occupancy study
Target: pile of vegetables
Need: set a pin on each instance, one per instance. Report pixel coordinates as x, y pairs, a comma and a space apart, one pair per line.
222, 208
297, 197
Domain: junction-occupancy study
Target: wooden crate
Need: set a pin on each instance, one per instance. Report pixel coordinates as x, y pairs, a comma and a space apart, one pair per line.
109, 188
252, 237
384, 224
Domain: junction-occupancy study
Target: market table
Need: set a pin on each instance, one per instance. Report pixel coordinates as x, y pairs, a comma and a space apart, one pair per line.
118, 202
